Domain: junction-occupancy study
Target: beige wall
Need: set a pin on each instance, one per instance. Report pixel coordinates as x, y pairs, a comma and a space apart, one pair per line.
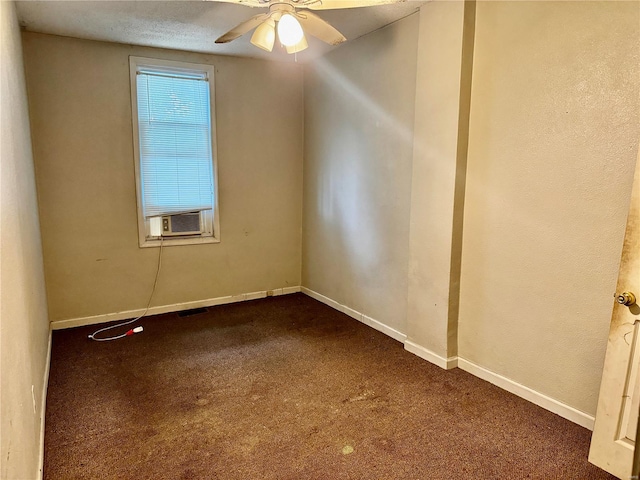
24, 326
437, 193
81, 120
553, 132
553, 143
359, 108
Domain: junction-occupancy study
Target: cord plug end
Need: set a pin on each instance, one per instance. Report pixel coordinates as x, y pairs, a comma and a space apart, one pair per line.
134, 330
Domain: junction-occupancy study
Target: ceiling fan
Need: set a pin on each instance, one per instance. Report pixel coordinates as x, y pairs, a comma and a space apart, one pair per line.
291, 24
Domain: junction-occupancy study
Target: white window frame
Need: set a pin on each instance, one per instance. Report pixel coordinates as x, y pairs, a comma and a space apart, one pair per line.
210, 219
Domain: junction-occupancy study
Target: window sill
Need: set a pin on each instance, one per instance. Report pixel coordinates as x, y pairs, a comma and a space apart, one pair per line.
175, 241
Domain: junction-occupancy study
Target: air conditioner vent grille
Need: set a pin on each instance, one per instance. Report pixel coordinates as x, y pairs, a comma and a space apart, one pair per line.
181, 224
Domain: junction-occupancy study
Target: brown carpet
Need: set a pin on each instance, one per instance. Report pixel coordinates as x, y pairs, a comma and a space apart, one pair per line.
287, 388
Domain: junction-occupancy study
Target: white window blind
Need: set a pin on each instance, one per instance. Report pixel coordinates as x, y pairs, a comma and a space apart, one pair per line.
174, 126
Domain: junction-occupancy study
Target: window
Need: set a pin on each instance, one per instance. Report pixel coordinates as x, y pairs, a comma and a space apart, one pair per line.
174, 144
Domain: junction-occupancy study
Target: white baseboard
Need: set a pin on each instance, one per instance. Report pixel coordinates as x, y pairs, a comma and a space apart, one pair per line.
361, 317
43, 406
323, 299
384, 328
533, 396
540, 399
429, 356
176, 307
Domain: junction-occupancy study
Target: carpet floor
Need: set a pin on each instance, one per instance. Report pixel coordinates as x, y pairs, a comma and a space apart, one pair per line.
287, 388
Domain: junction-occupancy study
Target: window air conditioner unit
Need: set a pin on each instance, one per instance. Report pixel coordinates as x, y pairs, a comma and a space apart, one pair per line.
181, 224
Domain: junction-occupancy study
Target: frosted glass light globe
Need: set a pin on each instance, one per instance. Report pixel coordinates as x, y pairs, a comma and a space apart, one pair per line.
289, 30
265, 35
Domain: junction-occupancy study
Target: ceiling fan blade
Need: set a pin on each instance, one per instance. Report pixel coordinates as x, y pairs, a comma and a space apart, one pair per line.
243, 28
335, 4
248, 3
314, 25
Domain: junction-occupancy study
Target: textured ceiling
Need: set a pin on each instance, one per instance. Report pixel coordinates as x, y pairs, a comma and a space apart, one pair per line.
189, 25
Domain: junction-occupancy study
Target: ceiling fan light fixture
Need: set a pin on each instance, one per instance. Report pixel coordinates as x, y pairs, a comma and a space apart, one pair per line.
289, 31
298, 47
265, 35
